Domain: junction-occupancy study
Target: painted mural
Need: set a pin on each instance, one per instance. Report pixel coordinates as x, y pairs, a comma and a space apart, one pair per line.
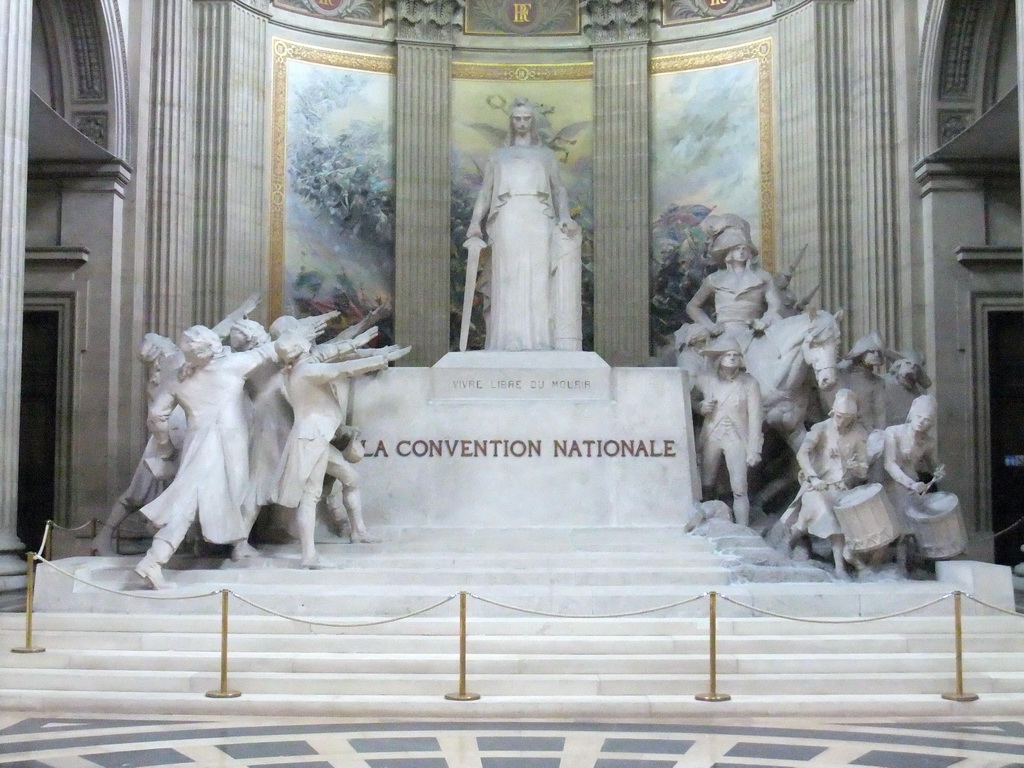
685, 11
711, 147
333, 195
481, 95
351, 11
521, 17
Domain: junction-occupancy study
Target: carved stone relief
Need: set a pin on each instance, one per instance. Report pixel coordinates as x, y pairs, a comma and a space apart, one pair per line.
958, 51
94, 125
617, 20
427, 20
952, 123
87, 51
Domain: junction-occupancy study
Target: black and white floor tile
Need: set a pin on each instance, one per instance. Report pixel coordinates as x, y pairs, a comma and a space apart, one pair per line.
97, 742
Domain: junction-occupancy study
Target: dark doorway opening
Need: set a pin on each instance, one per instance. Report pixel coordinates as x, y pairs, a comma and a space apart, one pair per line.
37, 457
1006, 401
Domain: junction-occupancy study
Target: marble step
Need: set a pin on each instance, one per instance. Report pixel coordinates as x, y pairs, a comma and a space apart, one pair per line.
508, 661
528, 629
489, 642
554, 539
451, 577
492, 707
555, 685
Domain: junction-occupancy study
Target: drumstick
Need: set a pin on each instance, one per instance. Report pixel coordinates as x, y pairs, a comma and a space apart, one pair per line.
928, 487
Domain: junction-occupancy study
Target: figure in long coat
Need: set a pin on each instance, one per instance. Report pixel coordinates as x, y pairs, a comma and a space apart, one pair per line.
213, 478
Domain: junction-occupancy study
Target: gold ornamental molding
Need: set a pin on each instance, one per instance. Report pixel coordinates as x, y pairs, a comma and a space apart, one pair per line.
522, 73
283, 52
759, 51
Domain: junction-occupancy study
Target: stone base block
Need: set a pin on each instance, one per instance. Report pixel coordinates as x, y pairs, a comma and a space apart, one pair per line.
531, 440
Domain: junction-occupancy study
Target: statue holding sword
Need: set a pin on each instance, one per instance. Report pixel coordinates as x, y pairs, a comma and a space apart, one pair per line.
535, 246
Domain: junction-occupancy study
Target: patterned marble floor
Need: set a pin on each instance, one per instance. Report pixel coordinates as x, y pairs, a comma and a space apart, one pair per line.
95, 742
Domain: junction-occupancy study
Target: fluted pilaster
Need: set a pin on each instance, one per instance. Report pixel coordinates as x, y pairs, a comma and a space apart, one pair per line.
1020, 79
622, 236
230, 235
171, 157
873, 166
814, 183
15, 52
423, 200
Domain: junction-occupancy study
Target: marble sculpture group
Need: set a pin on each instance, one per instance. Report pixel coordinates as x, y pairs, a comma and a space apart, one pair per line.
262, 421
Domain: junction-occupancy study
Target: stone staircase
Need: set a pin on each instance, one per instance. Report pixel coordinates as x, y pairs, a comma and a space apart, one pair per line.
129, 651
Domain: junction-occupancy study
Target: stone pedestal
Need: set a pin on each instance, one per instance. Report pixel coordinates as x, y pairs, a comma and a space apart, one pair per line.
992, 584
526, 440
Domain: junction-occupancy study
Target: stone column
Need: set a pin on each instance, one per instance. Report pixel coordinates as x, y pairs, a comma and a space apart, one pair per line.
621, 162
1020, 79
170, 160
878, 239
231, 259
813, 192
423, 178
953, 213
15, 53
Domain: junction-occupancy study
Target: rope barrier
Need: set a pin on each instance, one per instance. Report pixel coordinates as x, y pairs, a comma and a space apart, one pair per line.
314, 623
859, 620
1003, 532
995, 608
548, 615
75, 529
247, 601
46, 545
121, 592
463, 695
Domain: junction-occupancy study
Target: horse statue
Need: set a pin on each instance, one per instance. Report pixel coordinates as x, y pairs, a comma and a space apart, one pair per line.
782, 360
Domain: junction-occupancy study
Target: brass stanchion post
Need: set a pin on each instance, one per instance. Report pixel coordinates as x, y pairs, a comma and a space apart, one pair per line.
223, 692
30, 591
462, 695
958, 694
713, 694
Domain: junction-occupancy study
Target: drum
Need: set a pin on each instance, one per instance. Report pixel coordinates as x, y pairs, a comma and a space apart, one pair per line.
937, 525
867, 518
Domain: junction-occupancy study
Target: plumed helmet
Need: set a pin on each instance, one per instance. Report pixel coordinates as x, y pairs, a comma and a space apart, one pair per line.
728, 239
865, 344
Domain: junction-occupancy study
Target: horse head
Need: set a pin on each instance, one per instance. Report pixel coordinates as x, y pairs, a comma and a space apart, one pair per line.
820, 345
